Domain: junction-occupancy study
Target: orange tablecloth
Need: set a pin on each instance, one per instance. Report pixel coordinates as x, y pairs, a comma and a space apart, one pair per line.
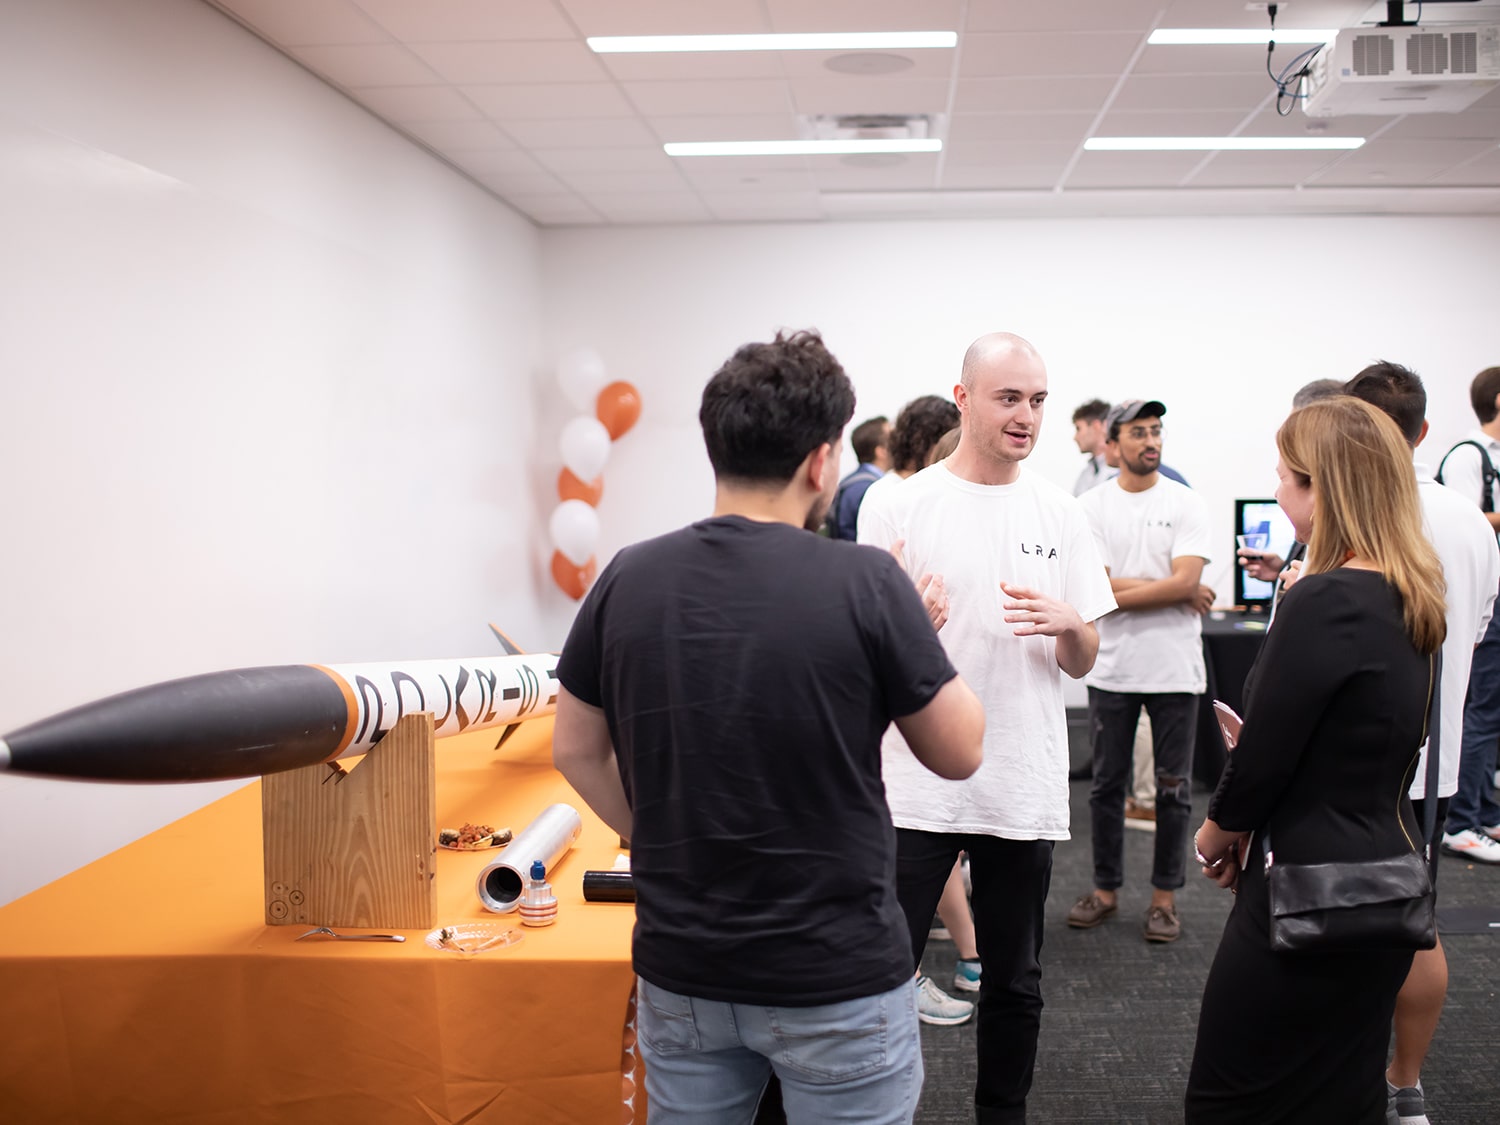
145, 986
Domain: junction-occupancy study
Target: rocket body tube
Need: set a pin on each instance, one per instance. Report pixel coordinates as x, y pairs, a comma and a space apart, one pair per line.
547, 838
253, 721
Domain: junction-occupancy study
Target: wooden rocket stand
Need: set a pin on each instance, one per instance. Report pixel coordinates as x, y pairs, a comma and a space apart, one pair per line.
355, 847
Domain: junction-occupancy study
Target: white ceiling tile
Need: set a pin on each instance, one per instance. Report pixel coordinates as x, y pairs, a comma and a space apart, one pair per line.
864, 15
618, 183
870, 95
369, 65
1062, 15
999, 154
554, 210
501, 162
1170, 123
1399, 162
692, 66
460, 136
302, 23
1131, 169
1212, 59
1299, 13
756, 127
650, 207
539, 101
1260, 169
678, 99
1015, 95
667, 17
1008, 177
520, 183
904, 172
1269, 123
743, 173
606, 132
1027, 54
964, 127
763, 206
561, 160
455, 21
1482, 172
1474, 124
404, 104
931, 62
1244, 92
487, 63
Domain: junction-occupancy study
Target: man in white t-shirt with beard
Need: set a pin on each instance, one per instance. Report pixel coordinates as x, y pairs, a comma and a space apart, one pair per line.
1154, 536
1023, 583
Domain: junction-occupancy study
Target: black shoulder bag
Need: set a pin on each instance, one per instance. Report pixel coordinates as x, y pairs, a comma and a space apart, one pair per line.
1486, 468
1363, 904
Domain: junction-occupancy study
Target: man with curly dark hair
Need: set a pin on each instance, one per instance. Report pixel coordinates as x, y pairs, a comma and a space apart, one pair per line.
722, 697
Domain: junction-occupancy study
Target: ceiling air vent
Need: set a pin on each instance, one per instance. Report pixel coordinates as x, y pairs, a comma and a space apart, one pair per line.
871, 127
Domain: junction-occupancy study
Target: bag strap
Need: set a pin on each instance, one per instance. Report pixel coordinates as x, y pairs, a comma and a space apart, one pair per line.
1432, 728
1487, 470
1433, 731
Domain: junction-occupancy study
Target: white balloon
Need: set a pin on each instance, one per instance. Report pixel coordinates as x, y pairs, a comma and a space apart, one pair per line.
582, 376
585, 447
575, 530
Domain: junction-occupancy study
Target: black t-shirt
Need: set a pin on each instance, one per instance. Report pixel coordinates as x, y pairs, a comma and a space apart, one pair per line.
747, 672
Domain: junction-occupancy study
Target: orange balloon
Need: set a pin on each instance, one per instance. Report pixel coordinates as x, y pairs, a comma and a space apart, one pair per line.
573, 580
618, 406
569, 487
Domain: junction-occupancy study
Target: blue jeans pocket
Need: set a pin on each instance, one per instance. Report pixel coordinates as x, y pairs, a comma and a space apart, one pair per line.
834, 1042
666, 1020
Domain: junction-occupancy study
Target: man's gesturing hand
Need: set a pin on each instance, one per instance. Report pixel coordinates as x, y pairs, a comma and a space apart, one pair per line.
930, 586
1034, 614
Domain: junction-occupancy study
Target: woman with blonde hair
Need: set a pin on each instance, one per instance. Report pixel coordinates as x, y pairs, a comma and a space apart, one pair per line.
1335, 712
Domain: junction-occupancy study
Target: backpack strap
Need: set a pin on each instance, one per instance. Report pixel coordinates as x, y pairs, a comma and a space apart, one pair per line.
1486, 467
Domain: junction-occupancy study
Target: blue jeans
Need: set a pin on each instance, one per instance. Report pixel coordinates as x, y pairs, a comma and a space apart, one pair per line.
1474, 803
708, 1061
1113, 716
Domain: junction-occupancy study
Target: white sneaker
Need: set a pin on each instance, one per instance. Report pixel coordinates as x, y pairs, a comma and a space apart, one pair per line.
1491, 830
936, 1007
1472, 845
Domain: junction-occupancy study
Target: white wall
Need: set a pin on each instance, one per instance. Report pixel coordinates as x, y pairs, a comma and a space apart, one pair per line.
1220, 318
267, 374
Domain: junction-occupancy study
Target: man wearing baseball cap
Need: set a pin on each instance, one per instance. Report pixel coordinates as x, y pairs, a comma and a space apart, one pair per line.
1154, 536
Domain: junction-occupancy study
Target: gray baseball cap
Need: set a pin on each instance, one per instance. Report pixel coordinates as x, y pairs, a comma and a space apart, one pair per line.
1129, 411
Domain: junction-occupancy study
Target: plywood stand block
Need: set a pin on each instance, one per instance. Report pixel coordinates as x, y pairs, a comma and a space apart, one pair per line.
355, 847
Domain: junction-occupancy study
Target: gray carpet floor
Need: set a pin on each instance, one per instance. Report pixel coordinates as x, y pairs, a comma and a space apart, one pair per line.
1121, 1014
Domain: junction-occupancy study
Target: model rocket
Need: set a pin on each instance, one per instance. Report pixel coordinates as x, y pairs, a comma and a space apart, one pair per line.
254, 721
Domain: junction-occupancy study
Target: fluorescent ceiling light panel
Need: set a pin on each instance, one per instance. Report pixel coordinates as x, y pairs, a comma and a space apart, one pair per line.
795, 148
1214, 36
821, 41
1206, 144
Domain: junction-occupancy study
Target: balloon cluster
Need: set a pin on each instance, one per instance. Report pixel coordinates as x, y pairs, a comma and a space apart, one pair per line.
613, 408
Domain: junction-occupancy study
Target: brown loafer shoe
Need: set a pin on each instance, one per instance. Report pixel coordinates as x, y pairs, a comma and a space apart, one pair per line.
1089, 911
1162, 924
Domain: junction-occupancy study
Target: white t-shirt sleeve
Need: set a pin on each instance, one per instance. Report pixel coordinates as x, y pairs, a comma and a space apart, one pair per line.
1193, 536
875, 524
1088, 588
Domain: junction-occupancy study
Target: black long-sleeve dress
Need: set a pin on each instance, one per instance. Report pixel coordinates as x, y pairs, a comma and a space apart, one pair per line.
1334, 716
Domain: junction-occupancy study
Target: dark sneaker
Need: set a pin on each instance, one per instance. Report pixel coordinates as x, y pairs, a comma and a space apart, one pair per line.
1162, 924
1089, 911
1405, 1106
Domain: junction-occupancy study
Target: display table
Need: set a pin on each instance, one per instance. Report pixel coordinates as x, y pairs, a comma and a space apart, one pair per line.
1231, 642
145, 986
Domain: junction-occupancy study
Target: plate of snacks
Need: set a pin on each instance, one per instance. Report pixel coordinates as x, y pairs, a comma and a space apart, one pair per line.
473, 838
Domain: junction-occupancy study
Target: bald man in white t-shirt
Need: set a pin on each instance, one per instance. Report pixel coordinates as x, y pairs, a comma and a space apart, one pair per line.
1024, 583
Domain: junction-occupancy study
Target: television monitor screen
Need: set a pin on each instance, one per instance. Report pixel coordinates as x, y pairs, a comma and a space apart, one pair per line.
1259, 518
